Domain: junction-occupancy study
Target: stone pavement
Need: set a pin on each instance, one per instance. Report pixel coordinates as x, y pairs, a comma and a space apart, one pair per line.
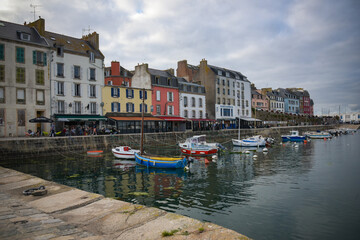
66, 213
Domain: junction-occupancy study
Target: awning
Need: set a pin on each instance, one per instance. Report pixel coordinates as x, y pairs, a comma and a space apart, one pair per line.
202, 120
250, 119
174, 119
136, 118
70, 118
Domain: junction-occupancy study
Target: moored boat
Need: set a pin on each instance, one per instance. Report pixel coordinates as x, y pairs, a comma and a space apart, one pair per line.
160, 162
199, 150
124, 152
293, 137
255, 141
197, 145
317, 135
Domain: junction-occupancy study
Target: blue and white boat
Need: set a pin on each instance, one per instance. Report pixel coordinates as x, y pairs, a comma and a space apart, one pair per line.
255, 141
318, 135
160, 162
293, 137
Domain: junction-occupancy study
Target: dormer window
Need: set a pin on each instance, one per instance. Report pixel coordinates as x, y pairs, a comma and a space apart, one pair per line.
169, 81
227, 74
60, 51
52, 38
25, 36
157, 80
220, 72
92, 57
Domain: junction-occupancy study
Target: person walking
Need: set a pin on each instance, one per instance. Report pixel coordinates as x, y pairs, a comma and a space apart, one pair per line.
52, 131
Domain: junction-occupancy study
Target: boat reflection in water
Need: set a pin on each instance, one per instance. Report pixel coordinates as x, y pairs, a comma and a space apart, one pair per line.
170, 171
124, 165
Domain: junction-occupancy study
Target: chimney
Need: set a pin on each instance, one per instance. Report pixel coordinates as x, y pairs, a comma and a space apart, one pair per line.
39, 25
203, 63
115, 68
170, 71
93, 38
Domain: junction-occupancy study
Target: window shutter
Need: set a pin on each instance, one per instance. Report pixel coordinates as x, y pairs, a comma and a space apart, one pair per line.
88, 90
167, 96
127, 94
65, 107
132, 93
81, 72
34, 57
45, 59
73, 71
145, 108
133, 106
118, 107
118, 92
112, 107
112, 92
145, 94
127, 107
64, 84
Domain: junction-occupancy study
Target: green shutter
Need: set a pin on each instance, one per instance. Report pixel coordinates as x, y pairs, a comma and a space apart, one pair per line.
1, 51
34, 57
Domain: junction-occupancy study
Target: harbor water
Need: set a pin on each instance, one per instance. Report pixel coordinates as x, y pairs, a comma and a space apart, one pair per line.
294, 191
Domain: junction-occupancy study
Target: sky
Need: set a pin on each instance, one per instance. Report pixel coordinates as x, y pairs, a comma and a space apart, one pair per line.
310, 44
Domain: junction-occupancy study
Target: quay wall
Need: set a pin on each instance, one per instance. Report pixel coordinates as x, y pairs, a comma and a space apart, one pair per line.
34, 146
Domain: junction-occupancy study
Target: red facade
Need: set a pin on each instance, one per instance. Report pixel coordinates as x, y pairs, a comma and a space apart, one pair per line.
117, 76
165, 101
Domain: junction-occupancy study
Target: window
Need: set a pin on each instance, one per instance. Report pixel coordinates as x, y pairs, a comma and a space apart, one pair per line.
115, 92
39, 58
115, 107
247, 112
92, 57
158, 109
25, 36
170, 110
170, 96
227, 74
109, 83
130, 107
200, 114
20, 75
2, 73
158, 96
223, 101
77, 107
218, 90
92, 90
60, 51
157, 80
234, 84
129, 93
61, 106
228, 91
228, 83
193, 102
169, 81
238, 102
223, 82
20, 96
242, 86
200, 102
218, 81
141, 92
59, 88
145, 109
39, 76
2, 52
247, 104
228, 101
2, 95
76, 72
219, 72
76, 90
92, 74
60, 69
93, 108
40, 97
224, 91
21, 117
20, 55
2, 116
238, 84
218, 101
234, 93
185, 113
193, 114
185, 101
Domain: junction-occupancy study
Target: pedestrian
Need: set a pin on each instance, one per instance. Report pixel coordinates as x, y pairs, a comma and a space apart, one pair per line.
52, 131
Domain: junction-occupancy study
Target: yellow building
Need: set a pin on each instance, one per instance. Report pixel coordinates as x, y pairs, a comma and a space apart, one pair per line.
125, 100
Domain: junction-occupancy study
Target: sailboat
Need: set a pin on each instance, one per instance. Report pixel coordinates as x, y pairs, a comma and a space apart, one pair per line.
255, 141
156, 161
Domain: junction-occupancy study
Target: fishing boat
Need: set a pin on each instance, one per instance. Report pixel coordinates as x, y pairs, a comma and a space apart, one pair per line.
197, 145
156, 161
255, 141
317, 135
160, 162
293, 137
124, 152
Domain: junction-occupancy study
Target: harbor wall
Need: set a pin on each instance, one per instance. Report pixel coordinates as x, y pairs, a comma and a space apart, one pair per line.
34, 146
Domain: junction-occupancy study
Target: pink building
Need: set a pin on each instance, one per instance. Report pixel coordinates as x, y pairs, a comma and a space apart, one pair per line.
258, 100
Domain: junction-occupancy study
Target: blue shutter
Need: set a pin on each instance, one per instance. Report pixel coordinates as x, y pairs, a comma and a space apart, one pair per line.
145, 94
118, 107
145, 108
45, 59
112, 107
132, 93
118, 92
127, 107
133, 108
127, 93
112, 92
140, 92
34, 57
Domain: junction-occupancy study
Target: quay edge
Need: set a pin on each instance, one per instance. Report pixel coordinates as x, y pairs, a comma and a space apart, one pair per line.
69, 213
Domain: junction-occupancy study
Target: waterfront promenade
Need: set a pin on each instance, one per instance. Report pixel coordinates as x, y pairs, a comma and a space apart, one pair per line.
66, 213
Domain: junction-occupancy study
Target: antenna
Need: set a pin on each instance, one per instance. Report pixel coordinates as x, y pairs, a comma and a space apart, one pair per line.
34, 6
88, 30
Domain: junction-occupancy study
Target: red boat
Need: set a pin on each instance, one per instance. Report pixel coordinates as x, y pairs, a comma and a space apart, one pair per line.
200, 151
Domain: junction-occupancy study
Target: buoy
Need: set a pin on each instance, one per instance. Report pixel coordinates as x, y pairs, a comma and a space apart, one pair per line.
305, 141
206, 161
265, 149
255, 156
247, 152
214, 156
186, 168
325, 139
296, 146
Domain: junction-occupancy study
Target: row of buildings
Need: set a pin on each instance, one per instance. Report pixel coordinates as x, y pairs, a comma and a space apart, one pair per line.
48, 74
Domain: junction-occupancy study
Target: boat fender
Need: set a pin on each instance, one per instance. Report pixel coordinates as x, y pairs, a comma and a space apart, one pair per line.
255, 156
265, 149
206, 161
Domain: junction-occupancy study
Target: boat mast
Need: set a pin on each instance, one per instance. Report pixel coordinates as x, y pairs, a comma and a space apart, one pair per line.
239, 128
142, 123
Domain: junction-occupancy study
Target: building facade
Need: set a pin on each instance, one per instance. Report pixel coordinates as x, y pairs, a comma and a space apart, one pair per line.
24, 82
116, 75
304, 100
259, 101
192, 104
291, 101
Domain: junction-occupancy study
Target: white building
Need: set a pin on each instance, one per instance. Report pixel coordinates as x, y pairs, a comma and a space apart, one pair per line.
192, 102
24, 85
350, 117
77, 76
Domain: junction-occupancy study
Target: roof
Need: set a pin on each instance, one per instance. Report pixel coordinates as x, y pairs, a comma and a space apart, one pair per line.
11, 31
71, 44
160, 73
173, 119
232, 73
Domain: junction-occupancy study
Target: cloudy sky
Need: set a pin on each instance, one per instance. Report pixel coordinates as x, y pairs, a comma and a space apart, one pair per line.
313, 44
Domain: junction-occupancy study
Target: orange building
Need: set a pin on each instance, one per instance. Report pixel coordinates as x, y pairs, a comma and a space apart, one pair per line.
117, 75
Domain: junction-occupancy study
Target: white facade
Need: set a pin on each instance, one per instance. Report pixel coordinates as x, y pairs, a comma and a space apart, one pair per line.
350, 117
76, 89
233, 98
192, 105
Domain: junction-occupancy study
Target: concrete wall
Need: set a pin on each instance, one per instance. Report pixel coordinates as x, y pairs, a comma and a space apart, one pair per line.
28, 147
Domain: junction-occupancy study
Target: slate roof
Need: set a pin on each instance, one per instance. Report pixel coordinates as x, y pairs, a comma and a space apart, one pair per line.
122, 70
11, 31
160, 73
232, 73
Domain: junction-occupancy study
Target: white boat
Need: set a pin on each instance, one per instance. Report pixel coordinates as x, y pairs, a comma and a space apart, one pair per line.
124, 152
255, 141
197, 141
317, 135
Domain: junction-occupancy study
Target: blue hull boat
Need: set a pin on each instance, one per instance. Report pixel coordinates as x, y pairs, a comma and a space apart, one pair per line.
160, 162
293, 137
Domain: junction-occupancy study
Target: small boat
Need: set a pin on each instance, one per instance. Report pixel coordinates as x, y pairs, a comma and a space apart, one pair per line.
317, 135
124, 152
197, 145
293, 137
97, 152
160, 162
255, 141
